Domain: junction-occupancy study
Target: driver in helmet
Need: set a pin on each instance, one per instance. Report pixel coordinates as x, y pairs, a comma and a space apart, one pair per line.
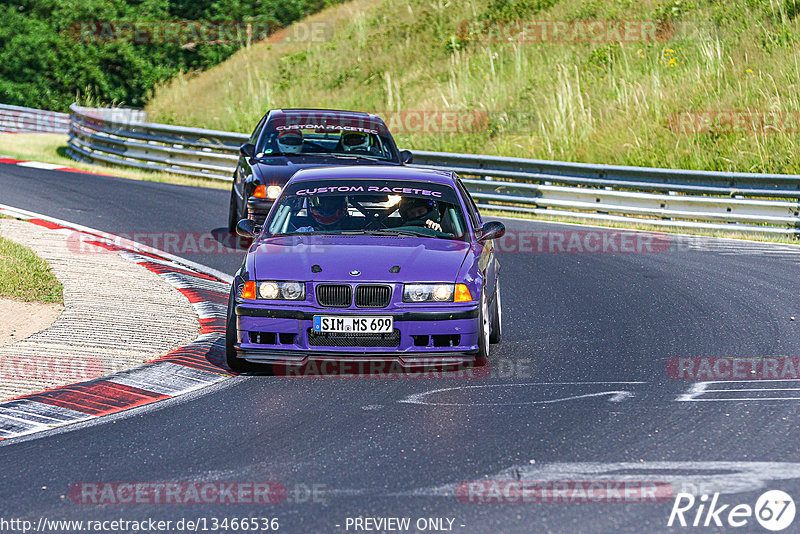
290, 142
420, 212
328, 213
355, 142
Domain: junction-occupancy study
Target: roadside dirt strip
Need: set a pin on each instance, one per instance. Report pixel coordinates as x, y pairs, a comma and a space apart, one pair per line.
120, 311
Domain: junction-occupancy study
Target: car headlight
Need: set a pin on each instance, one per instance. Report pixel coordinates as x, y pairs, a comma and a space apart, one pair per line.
273, 290
273, 191
262, 191
428, 293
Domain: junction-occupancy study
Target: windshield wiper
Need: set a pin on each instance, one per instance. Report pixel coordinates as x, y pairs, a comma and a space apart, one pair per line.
353, 156
386, 231
331, 155
309, 232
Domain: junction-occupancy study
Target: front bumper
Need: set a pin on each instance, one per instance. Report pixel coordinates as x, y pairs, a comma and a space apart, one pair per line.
282, 335
258, 208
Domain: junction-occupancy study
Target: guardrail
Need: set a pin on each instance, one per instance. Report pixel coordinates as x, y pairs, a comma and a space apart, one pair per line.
746, 202
17, 119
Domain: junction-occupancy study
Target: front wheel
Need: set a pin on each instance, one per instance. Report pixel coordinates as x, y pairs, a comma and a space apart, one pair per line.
497, 317
484, 328
233, 212
235, 363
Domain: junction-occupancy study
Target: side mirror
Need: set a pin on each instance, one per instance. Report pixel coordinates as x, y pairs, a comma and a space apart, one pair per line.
406, 156
491, 230
247, 150
246, 228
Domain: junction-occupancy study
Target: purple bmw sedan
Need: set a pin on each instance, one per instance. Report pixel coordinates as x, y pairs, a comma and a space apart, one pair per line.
367, 264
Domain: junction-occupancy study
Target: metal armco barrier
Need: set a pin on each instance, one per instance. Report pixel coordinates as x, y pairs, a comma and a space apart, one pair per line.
120, 137
746, 202
16, 119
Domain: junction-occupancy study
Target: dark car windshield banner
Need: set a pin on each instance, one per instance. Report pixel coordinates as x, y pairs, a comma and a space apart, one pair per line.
373, 187
327, 123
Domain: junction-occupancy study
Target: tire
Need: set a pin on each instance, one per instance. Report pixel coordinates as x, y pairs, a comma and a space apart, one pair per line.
484, 327
233, 212
496, 331
235, 363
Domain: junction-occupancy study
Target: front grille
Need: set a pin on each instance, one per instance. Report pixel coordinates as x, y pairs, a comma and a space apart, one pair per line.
316, 339
371, 296
334, 295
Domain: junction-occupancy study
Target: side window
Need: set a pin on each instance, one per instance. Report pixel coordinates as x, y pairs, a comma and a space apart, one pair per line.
257, 131
472, 209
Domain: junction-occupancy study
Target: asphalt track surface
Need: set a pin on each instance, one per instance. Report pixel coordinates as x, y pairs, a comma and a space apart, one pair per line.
578, 391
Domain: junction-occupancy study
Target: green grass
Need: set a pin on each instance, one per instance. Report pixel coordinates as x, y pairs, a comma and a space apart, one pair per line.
587, 102
25, 276
52, 148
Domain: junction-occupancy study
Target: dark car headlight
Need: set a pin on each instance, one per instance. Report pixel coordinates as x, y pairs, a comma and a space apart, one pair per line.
267, 192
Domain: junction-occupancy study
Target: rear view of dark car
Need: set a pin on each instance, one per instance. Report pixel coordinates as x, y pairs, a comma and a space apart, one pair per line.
286, 141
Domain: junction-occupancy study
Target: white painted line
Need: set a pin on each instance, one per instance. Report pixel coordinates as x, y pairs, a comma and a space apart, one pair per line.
749, 389
746, 399
695, 390
40, 165
699, 390
750, 381
615, 395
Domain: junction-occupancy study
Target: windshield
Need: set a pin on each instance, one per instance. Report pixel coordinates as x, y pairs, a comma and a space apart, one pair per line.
380, 207
327, 137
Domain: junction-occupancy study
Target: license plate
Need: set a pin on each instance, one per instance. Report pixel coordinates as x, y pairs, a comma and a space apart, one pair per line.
353, 325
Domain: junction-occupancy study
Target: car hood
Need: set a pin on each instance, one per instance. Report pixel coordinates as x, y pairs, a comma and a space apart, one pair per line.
419, 259
277, 170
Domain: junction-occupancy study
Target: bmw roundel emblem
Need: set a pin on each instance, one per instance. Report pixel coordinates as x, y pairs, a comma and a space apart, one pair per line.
354, 272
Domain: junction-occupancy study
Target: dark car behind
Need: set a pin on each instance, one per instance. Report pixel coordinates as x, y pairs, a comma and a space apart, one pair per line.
265, 164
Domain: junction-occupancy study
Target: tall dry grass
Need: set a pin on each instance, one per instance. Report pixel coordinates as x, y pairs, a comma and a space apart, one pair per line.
594, 102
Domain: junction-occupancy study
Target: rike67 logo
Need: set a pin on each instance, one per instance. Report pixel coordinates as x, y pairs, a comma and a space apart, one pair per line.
774, 510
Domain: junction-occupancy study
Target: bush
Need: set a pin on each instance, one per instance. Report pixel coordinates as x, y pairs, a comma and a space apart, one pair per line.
45, 64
